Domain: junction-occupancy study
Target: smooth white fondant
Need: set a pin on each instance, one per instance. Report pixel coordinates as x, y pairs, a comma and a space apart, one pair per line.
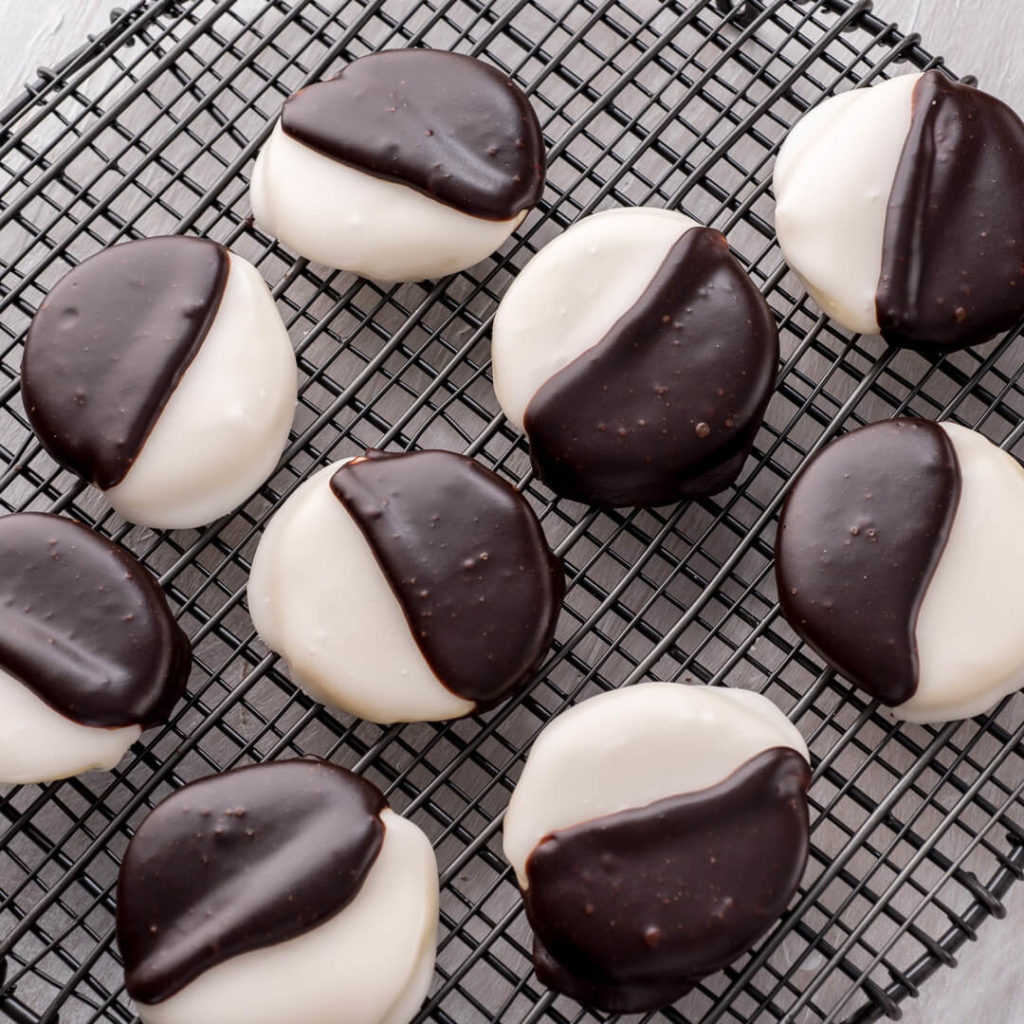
630, 747
832, 181
319, 598
39, 744
567, 298
371, 963
342, 217
970, 626
223, 429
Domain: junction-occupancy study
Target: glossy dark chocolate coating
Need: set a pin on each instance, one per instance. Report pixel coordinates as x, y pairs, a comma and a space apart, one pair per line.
953, 255
668, 403
859, 537
630, 910
447, 125
109, 344
467, 560
238, 862
84, 626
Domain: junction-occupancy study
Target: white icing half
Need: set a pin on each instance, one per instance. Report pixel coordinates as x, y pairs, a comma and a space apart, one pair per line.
319, 598
970, 626
630, 747
343, 217
570, 295
223, 429
371, 963
832, 182
39, 744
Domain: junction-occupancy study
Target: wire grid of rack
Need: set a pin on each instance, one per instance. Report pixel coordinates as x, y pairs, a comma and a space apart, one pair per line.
152, 128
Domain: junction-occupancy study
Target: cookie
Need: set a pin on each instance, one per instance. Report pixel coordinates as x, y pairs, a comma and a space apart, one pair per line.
656, 832
90, 654
407, 587
411, 164
285, 891
896, 559
160, 371
638, 357
901, 206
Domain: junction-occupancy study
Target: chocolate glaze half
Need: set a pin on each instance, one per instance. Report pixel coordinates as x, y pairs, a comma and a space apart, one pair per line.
109, 344
859, 538
953, 251
238, 862
467, 560
447, 125
631, 910
84, 626
668, 403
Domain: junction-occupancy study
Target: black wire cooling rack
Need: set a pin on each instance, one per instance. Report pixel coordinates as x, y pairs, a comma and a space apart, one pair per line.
152, 128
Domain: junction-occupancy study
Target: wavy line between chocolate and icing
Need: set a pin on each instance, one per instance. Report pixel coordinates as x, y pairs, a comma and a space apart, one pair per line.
859, 538
466, 559
953, 252
667, 404
109, 344
445, 124
84, 626
631, 910
238, 862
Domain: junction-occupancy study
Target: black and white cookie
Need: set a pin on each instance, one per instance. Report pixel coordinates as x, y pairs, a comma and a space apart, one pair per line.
286, 891
90, 654
656, 832
410, 164
407, 587
160, 371
898, 558
637, 356
901, 206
